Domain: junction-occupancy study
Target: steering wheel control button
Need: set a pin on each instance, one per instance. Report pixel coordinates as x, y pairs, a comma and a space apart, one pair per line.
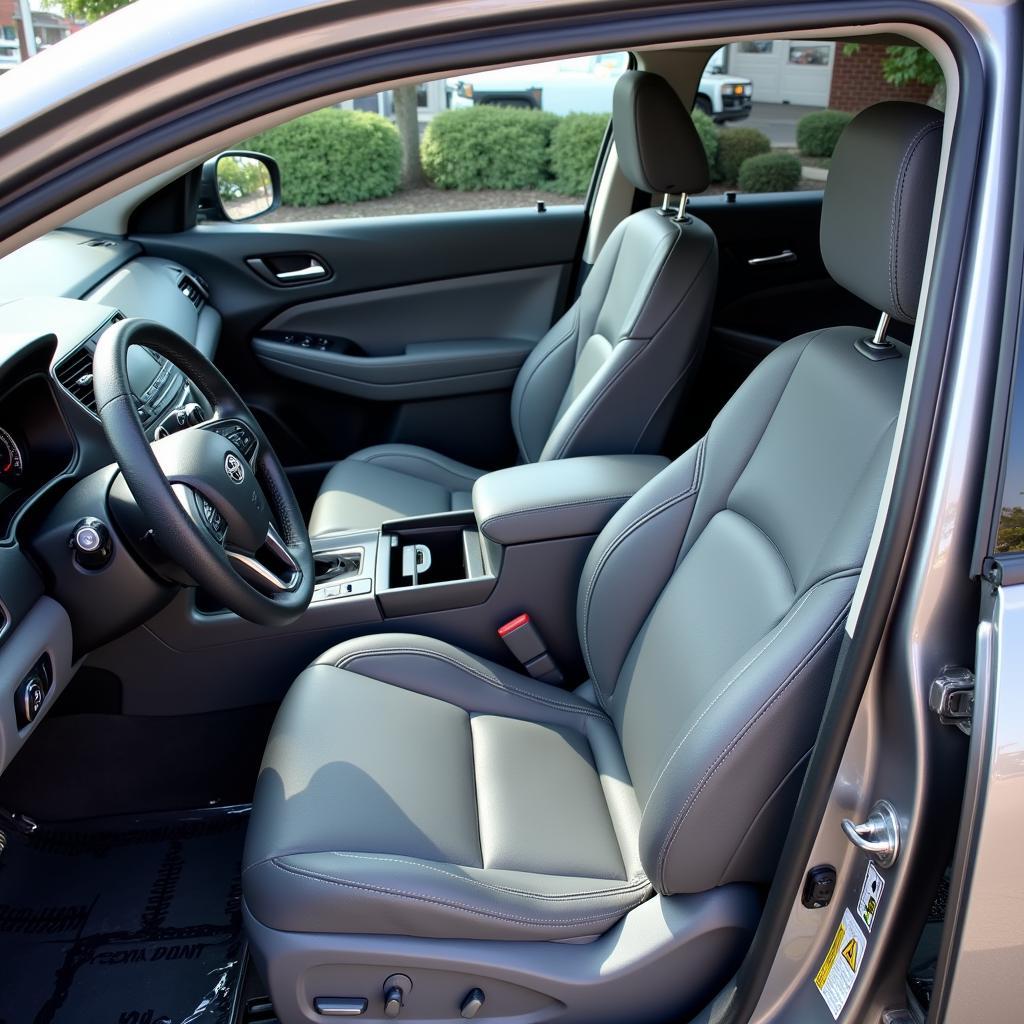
472, 1004
340, 1006
238, 434
90, 541
214, 520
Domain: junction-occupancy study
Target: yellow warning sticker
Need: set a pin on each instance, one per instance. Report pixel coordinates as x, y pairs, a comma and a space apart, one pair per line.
839, 969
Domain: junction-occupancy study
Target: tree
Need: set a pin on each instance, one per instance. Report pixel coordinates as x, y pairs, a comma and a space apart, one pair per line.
408, 123
905, 65
91, 10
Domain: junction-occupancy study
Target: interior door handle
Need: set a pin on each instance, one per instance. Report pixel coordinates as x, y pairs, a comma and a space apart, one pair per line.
315, 269
290, 268
786, 256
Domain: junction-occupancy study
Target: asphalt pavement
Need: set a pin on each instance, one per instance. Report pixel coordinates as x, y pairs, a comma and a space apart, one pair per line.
776, 120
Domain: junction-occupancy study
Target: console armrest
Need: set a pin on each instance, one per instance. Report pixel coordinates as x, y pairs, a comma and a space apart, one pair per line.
562, 498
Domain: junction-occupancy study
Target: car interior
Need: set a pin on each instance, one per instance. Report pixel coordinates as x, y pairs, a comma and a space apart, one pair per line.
432, 617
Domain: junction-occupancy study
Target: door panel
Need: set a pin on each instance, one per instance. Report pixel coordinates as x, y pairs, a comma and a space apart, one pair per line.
427, 317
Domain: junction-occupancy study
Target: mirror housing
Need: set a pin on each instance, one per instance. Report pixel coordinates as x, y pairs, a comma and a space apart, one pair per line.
238, 185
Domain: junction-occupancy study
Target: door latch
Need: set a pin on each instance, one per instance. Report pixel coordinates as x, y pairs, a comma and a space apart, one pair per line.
879, 836
951, 697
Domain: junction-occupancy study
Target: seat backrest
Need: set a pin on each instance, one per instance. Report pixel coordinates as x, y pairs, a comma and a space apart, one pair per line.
740, 560
606, 377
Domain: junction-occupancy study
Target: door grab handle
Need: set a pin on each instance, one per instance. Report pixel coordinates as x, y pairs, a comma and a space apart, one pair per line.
315, 269
879, 836
786, 256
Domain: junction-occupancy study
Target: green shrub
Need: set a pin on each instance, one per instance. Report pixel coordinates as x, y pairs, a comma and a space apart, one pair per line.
770, 172
736, 145
488, 147
333, 156
818, 133
708, 136
575, 142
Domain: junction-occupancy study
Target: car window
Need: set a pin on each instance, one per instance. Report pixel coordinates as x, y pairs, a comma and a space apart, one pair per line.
770, 111
511, 137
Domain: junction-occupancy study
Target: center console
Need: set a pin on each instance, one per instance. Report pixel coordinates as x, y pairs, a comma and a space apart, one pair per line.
458, 577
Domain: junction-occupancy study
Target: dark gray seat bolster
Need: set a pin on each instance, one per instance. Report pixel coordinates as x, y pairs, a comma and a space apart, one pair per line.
420, 855
713, 548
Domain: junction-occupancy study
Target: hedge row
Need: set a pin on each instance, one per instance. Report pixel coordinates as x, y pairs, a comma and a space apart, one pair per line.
333, 156
818, 133
344, 156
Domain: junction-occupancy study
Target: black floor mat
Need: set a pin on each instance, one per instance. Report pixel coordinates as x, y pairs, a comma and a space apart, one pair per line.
123, 921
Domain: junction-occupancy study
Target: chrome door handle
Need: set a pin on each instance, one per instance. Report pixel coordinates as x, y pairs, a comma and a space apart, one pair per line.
786, 256
312, 268
315, 269
879, 836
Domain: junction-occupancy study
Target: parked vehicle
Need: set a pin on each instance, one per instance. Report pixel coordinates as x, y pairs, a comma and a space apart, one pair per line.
584, 85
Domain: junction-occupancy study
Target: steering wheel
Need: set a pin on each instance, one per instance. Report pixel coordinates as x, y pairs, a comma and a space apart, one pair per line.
225, 514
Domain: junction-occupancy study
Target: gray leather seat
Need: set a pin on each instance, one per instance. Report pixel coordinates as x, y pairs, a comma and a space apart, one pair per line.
605, 379
411, 789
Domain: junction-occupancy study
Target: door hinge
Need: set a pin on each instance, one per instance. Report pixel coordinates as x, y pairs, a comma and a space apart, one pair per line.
952, 697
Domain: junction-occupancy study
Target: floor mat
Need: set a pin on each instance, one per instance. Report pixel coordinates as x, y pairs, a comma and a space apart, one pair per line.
123, 921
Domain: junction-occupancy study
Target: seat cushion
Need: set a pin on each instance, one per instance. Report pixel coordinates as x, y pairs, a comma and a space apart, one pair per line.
390, 481
411, 789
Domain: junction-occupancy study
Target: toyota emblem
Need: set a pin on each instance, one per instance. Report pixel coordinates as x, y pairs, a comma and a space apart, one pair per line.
234, 468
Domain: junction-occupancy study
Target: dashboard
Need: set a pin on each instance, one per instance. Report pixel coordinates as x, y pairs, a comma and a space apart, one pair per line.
51, 438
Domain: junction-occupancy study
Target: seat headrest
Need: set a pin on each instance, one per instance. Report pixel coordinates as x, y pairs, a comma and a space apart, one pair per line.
659, 148
878, 205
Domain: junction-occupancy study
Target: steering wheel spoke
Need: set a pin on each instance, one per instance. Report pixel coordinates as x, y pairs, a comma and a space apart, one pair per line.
271, 569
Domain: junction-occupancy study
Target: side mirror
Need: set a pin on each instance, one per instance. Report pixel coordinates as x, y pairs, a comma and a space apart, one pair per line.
238, 186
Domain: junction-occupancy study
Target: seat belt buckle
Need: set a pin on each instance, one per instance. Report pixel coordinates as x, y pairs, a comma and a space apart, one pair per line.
524, 641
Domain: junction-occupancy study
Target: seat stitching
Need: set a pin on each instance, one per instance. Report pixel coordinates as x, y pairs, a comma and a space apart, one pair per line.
380, 456
640, 883
387, 891
640, 520
490, 680
553, 505
695, 793
897, 204
765, 644
518, 415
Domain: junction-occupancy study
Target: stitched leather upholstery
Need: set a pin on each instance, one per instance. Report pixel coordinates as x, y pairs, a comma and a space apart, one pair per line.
410, 788
606, 378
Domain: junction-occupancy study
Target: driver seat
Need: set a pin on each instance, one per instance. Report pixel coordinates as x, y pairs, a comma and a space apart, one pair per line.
432, 823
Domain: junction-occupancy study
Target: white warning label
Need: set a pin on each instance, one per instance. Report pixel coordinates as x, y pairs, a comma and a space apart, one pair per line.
870, 896
841, 965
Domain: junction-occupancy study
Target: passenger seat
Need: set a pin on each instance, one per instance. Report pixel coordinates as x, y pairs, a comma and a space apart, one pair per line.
606, 378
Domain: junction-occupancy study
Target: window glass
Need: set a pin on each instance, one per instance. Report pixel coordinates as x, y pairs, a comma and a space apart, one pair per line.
773, 110
817, 54
1010, 530
492, 139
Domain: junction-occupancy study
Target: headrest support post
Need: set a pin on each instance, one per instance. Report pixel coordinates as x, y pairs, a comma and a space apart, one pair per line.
880, 340
681, 211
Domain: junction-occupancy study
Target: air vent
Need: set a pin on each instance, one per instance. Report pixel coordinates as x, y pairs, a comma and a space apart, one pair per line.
75, 375
192, 290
